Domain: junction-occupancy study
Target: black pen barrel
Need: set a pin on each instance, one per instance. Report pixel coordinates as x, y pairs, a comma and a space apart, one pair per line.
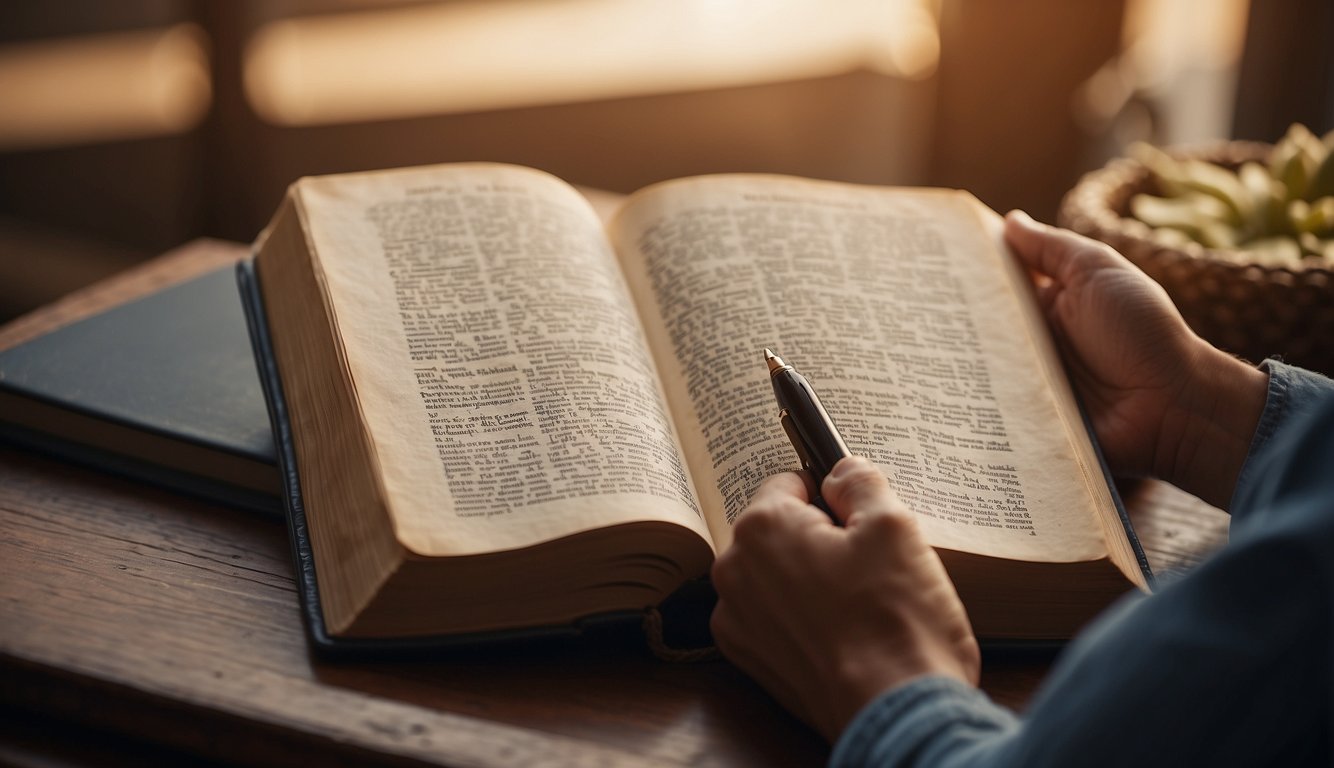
824, 446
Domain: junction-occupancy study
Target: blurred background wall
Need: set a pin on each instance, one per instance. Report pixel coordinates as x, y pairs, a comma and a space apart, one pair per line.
127, 128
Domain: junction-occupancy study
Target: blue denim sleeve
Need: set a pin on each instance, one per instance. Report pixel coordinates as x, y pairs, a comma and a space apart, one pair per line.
1293, 393
1231, 665
932, 721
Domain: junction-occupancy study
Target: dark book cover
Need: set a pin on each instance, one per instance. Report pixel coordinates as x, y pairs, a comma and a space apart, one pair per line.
162, 389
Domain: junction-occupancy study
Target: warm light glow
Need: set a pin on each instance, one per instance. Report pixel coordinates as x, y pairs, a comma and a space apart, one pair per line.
912, 44
1165, 37
473, 55
103, 87
1184, 55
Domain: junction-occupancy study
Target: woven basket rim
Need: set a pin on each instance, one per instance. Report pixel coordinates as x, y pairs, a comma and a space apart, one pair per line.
1089, 202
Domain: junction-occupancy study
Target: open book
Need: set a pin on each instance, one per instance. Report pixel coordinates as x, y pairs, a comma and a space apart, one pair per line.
505, 416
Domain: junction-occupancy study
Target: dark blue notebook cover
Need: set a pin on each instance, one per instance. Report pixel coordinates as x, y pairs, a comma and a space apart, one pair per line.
162, 389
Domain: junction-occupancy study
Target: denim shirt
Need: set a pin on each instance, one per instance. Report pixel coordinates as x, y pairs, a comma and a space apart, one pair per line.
1229, 665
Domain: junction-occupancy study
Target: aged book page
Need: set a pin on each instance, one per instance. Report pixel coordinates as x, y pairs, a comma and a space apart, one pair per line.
514, 352
901, 310
1067, 406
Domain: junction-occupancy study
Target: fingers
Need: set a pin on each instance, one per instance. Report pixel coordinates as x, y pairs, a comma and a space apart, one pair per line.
785, 484
780, 506
1054, 251
855, 487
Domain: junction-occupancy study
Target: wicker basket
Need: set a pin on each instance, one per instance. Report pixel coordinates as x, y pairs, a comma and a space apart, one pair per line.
1251, 310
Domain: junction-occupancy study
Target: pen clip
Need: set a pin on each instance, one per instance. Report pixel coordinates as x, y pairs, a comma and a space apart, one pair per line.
795, 438
804, 454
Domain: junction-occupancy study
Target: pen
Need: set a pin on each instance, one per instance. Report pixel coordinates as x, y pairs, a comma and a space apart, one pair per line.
807, 424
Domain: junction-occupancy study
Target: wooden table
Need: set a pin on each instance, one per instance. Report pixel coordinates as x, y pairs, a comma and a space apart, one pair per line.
139, 627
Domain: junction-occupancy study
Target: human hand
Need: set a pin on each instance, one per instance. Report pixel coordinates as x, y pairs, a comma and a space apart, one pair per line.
1163, 401
827, 618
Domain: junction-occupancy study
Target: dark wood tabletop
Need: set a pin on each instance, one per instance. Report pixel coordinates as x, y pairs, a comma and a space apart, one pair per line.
147, 624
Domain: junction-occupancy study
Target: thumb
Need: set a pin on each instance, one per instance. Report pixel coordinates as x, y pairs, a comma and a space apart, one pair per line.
1056, 252
856, 485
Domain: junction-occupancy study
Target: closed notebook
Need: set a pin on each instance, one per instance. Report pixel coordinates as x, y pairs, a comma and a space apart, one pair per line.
162, 389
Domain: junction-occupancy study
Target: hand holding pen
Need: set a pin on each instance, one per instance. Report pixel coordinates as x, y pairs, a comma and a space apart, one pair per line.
871, 596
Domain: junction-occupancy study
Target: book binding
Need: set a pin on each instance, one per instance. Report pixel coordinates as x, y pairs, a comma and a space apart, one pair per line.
322, 642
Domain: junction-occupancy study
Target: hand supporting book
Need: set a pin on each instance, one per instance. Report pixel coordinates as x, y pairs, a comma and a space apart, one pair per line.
1164, 402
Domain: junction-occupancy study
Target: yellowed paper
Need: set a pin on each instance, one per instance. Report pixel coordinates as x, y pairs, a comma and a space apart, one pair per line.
900, 310
482, 314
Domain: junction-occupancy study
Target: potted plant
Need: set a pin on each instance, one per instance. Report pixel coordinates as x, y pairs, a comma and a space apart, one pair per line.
1241, 235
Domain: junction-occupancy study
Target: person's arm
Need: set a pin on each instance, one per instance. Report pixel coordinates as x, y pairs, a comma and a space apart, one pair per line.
1293, 392
1231, 665
858, 632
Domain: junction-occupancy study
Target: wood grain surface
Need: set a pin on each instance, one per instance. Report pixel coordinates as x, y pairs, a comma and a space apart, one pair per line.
130, 611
